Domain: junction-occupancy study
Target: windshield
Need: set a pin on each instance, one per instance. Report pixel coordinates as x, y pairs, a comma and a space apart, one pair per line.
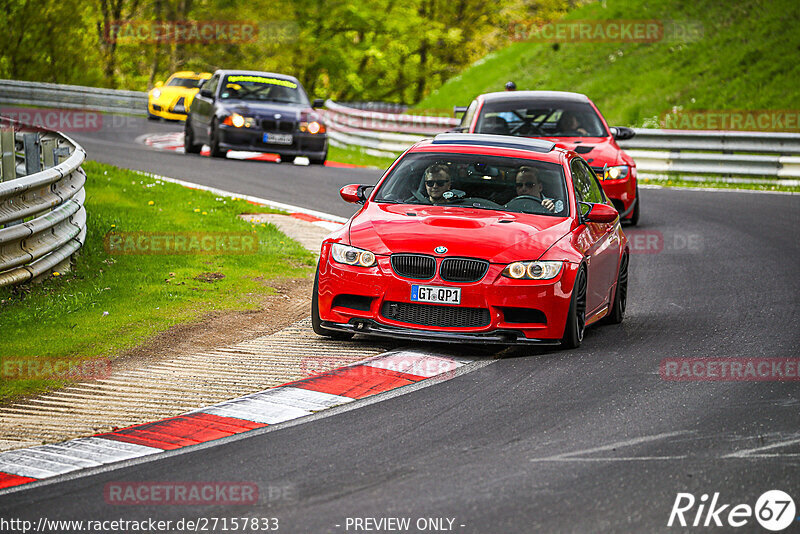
477, 181
262, 89
540, 119
184, 82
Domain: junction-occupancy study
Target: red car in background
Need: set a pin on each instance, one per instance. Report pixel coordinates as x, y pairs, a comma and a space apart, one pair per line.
460, 242
570, 120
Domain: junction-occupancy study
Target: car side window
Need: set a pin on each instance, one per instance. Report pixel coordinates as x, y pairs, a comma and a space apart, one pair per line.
466, 120
596, 189
585, 188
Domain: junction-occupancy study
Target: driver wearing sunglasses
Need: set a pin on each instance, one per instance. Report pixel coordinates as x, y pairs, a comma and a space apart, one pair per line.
529, 184
437, 182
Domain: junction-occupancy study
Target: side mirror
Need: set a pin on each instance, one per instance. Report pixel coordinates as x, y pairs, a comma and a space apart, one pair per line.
158, 84
458, 110
601, 213
317, 103
354, 193
206, 93
621, 133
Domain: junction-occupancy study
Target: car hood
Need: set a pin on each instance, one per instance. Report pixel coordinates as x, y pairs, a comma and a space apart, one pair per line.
603, 150
468, 232
177, 90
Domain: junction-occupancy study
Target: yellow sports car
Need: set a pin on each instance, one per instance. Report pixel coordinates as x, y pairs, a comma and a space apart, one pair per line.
171, 100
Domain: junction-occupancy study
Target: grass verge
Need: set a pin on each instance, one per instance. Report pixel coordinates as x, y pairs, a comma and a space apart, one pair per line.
355, 156
111, 302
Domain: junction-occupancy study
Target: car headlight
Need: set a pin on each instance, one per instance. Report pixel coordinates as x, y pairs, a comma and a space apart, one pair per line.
313, 127
352, 255
238, 121
533, 270
617, 172
156, 93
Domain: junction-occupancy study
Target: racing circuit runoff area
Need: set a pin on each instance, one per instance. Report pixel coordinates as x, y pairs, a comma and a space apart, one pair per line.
605, 438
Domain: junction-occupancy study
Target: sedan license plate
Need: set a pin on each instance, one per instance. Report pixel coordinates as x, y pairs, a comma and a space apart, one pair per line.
439, 295
278, 138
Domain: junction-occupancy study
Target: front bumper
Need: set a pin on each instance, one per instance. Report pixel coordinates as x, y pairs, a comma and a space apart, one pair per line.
548, 300
251, 139
495, 337
622, 193
167, 110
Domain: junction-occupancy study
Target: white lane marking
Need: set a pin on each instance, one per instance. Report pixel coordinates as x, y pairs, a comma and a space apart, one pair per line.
716, 189
753, 453
305, 399
269, 203
328, 225
58, 457
414, 363
570, 456
257, 411
26, 469
613, 459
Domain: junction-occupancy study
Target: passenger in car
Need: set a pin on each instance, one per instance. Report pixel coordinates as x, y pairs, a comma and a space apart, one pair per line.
528, 183
570, 125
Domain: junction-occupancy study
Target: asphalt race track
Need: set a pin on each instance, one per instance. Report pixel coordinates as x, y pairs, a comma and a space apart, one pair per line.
592, 440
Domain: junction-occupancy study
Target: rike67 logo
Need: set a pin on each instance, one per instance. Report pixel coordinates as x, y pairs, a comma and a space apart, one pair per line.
774, 510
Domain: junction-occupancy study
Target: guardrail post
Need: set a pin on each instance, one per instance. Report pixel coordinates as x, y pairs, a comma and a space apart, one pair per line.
8, 164
33, 158
49, 152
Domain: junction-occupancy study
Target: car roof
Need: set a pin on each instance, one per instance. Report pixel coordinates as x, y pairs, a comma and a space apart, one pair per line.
501, 145
527, 96
258, 73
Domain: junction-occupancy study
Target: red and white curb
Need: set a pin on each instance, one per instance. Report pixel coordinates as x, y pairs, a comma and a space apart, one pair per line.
382, 373
173, 142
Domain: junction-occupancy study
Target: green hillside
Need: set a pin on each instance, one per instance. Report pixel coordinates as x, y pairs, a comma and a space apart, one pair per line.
746, 56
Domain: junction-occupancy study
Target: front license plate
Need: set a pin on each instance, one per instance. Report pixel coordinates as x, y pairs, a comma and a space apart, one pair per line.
278, 138
439, 295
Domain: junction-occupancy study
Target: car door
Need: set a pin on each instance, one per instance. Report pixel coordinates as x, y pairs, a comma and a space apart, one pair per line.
202, 109
600, 241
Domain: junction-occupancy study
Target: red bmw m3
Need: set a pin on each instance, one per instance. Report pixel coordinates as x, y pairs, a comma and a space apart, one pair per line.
475, 238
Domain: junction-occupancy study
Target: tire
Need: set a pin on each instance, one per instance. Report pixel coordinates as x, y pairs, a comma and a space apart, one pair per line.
634, 220
152, 117
576, 317
319, 161
189, 145
213, 144
316, 321
617, 313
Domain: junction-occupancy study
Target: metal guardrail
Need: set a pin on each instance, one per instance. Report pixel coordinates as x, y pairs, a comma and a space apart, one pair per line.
718, 153
72, 97
42, 217
775, 156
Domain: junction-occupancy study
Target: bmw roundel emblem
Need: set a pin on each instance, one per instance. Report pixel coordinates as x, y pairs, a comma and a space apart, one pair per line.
440, 249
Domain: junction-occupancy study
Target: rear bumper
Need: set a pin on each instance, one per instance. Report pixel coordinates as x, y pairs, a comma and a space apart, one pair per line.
303, 144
